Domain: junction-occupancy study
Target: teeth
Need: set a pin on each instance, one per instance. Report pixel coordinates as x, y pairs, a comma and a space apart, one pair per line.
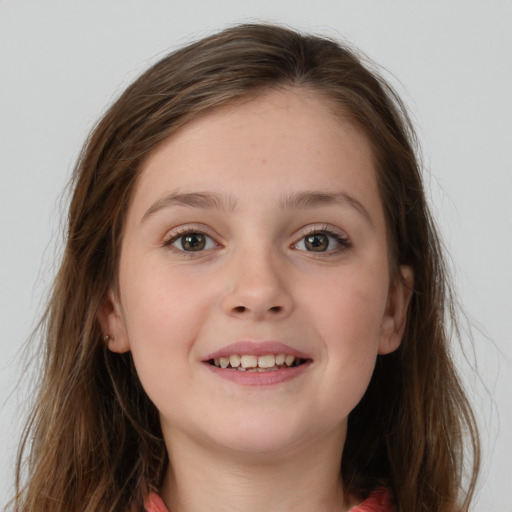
234, 361
268, 362
288, 360
249, 361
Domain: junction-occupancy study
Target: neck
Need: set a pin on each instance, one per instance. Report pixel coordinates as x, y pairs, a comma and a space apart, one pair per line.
210, 479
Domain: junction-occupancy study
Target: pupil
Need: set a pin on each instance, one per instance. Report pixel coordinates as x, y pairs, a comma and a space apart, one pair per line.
317, 243
193, 242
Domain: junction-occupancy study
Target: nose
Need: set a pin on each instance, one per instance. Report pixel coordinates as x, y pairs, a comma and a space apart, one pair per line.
257, 288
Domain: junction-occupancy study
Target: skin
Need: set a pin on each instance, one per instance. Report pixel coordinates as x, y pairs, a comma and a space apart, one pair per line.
264, 447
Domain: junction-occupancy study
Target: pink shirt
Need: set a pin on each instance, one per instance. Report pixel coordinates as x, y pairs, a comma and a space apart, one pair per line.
377, 502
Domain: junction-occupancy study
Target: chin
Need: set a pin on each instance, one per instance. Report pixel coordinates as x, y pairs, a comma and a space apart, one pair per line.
262, 437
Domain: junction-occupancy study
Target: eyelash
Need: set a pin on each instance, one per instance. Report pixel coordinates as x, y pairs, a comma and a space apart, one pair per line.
343, 242
182, 232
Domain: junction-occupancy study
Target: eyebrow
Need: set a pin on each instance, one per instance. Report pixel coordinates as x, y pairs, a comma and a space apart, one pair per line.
314, 199
203, 200
223, 202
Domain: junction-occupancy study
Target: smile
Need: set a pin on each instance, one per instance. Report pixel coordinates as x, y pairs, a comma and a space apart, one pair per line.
258, 363
252, 363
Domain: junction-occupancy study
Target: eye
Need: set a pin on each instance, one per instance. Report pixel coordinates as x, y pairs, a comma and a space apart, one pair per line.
191, 241
321, 241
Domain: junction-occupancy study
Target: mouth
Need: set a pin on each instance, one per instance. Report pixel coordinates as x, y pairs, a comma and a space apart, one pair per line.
253, 363
258, 363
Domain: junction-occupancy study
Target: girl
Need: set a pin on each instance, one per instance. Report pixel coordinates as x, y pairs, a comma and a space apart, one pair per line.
252, 308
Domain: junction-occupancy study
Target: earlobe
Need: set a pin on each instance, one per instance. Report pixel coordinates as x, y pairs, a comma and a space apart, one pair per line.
113, 325
395, 317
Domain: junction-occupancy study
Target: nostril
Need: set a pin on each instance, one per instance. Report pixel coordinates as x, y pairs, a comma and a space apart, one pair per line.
271, 310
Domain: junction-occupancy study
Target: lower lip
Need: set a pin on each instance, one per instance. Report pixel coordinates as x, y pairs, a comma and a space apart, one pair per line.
267, 378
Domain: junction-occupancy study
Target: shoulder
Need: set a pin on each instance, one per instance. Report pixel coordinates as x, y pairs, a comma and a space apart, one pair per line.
378, 501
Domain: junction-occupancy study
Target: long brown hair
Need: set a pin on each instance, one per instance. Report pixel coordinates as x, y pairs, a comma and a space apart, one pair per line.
93, 441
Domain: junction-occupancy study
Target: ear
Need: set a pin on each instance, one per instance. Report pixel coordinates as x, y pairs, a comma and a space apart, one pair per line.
113, 326
395, 316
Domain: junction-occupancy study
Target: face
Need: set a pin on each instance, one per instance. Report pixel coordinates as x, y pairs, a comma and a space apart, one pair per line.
254, 284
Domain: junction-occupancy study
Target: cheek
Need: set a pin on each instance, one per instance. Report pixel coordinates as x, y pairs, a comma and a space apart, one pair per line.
352, 307
159, 300
350, 315
160, 325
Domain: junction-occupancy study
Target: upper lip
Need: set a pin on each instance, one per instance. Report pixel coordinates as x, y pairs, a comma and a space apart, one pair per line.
256, 348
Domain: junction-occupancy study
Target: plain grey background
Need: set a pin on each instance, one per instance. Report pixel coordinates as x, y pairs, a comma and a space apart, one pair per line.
62, 62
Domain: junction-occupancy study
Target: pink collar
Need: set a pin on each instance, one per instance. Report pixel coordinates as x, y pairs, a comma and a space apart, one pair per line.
378, 501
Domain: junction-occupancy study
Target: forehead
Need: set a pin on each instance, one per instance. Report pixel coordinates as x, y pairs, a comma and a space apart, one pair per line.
281, 141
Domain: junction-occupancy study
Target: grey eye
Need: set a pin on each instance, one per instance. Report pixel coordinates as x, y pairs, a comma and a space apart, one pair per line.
318, 242
321, 242
192, 242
